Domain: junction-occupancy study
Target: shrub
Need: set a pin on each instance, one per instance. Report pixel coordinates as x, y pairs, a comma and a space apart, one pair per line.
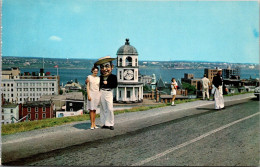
190, 88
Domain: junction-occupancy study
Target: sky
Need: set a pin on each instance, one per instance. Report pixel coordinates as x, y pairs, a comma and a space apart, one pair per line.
225, 31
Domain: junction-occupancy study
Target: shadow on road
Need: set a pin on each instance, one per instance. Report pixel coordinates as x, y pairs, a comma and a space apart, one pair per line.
226, 105
82, 126
208, 109
255, 99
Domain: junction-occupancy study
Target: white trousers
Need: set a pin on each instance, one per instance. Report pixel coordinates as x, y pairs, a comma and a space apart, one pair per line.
205, 91
106, 108
219, 100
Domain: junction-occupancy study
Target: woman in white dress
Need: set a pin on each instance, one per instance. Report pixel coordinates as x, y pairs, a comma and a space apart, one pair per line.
92, 82
173, 91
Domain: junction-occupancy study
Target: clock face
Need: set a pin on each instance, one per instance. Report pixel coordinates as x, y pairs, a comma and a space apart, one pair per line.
128, 74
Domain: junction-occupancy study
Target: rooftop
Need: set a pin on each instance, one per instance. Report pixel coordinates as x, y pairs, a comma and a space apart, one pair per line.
127, 49
70, 95
10, 105
160, 83
37, 103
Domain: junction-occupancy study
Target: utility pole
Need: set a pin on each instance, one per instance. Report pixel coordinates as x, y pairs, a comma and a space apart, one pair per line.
43, 63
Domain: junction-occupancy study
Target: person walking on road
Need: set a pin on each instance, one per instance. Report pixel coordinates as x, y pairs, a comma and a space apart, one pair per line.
205, 86
108, 82
173, 90
93, 101
218, 93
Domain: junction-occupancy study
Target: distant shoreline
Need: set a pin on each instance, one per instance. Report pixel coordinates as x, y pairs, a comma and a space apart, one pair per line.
86, 64
27, 67
54, 68
176, 61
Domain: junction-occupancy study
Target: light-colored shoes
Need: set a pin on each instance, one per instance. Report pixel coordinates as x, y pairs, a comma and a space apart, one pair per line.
94, 127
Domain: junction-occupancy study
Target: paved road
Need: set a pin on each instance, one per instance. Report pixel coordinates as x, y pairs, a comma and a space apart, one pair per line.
225, 138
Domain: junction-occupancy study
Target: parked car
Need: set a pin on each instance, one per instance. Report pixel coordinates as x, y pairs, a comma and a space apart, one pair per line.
257, 91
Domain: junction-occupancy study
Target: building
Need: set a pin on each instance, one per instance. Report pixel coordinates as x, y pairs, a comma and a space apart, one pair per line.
160, 84
68, 114
148, 81
37, 110
10, 73
145, 79
189, 78
75, 103
10, 113
19, 88
60, 101
153, 82
231, 73
210, 73
226, 73
129, 89
70, 104
72, 86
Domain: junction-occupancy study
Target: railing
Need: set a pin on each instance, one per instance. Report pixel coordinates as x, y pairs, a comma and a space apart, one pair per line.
128, 63
38, 77
12, 118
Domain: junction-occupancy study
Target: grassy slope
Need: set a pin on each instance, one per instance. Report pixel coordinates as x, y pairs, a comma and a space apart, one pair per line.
40, 124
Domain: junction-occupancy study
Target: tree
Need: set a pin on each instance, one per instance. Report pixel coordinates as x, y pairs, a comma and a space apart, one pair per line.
191, 89
146, 88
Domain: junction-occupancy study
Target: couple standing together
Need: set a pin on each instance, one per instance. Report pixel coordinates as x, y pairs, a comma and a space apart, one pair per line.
100, 90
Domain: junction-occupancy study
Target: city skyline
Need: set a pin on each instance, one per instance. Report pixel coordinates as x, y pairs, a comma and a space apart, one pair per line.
160, 31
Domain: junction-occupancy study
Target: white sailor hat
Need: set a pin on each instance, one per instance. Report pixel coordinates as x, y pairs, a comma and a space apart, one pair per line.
103, 60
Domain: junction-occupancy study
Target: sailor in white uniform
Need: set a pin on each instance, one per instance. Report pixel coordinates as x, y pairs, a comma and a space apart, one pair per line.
218, 93
108, 82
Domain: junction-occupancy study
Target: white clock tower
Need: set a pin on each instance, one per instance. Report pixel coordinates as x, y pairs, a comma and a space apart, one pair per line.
129, 89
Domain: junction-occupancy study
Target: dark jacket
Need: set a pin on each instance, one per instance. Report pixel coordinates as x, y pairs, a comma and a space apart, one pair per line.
111, 82
218, 81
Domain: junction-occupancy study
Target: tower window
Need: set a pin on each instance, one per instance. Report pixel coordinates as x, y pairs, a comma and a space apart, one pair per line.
128, 61
136, 63
120, 62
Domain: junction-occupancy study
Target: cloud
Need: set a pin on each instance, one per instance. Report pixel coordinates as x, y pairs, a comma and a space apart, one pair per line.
256, 33
55, 38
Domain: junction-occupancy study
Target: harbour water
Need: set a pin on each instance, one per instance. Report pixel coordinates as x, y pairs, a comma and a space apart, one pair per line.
166, 74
